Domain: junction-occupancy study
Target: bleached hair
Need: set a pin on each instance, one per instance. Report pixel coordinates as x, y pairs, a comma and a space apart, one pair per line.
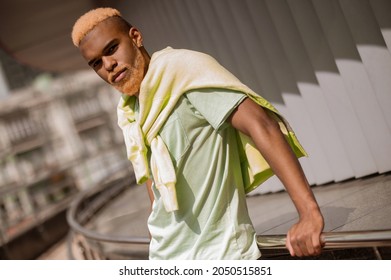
89, 20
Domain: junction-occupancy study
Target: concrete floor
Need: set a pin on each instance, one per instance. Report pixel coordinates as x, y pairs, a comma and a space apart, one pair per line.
362, 204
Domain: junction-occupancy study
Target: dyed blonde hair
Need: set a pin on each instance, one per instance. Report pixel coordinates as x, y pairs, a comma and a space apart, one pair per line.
89, 20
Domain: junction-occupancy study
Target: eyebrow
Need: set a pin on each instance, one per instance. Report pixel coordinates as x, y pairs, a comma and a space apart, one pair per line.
107, 46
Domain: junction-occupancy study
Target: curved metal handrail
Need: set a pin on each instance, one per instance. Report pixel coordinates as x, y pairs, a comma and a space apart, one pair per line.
95, 199
334, 240
77, 226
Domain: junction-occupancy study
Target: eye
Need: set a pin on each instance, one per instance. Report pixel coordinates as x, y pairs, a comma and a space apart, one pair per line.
112, 49
96, 63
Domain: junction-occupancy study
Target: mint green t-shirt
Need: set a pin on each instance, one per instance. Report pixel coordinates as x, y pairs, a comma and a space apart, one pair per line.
212, 221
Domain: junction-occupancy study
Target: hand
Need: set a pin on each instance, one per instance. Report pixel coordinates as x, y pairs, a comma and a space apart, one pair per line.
304, 238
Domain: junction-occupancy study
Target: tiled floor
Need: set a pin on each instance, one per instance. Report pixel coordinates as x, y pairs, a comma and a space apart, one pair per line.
355, 205
363, 204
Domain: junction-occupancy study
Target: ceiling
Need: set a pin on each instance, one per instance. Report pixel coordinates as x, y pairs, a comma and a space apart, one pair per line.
37, 33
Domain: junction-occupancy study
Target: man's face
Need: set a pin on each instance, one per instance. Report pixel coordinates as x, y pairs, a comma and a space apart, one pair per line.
115, 55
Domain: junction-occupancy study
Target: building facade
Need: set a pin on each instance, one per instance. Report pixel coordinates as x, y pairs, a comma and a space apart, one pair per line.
58, 136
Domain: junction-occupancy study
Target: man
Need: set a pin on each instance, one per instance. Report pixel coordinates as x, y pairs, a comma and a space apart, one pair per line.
201, 140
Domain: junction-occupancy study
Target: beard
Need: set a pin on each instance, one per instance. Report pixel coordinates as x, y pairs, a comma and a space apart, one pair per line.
135, 72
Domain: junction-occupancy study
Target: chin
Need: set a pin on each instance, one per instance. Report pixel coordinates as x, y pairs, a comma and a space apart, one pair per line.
131, 91
131, 84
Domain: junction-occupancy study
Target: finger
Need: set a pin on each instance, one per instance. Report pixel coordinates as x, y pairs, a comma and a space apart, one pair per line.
298, 249
289, 245
306, 247
295, 244
317, 244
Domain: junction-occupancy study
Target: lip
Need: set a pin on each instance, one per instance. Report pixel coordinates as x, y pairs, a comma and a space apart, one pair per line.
117, 77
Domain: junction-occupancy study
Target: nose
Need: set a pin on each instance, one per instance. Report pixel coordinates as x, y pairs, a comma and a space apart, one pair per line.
109, 63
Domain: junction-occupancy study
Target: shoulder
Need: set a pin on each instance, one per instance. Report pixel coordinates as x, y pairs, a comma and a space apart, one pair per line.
174, 56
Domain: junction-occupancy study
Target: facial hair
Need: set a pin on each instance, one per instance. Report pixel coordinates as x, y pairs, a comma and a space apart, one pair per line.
130, 84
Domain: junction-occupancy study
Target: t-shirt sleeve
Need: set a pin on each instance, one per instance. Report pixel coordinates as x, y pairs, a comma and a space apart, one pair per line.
215, 105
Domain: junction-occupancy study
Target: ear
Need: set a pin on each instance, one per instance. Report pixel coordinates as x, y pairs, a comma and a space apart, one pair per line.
136, 37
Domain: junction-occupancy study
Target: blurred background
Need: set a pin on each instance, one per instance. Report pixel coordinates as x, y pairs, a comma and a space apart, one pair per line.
326, 65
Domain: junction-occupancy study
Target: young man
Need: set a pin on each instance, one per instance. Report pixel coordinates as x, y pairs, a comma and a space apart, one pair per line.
206, 139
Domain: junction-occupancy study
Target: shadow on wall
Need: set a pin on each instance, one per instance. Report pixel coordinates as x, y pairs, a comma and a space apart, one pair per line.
323, 64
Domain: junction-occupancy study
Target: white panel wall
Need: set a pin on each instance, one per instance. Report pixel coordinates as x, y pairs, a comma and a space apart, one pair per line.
326, 65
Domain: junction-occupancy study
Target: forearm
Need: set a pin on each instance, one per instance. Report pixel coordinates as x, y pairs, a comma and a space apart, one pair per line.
272, 144
148, 184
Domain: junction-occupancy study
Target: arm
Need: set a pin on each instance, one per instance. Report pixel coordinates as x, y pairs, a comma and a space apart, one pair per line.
149, 189
150, 194
304, 237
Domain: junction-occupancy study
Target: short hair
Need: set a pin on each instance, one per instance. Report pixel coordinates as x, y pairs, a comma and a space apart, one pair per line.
89, 20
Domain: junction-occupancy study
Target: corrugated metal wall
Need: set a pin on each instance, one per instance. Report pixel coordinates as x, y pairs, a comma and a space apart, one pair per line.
325, 64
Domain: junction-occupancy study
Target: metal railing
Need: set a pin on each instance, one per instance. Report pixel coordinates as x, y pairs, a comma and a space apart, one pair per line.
89, 241
334, 240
